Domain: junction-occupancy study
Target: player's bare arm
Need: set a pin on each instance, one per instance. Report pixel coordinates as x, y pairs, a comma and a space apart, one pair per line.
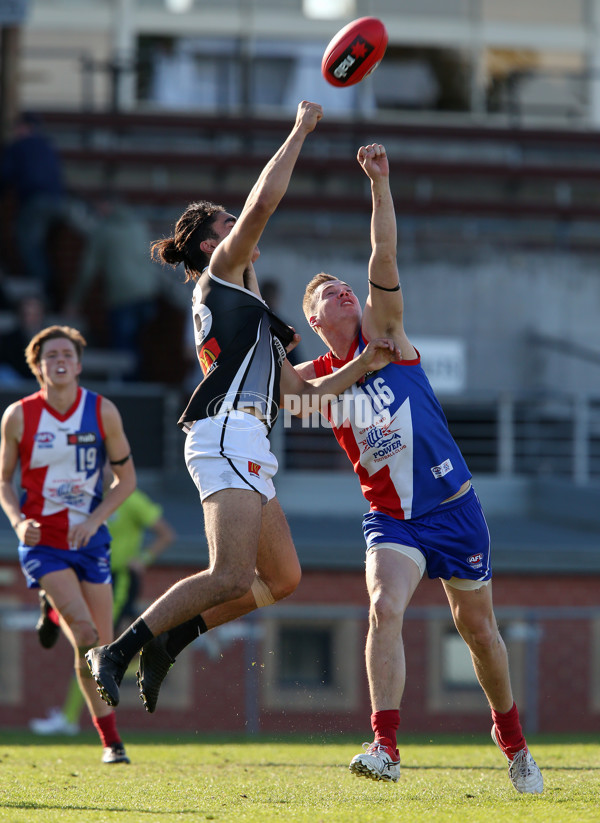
27, 530
232, 255
383, 313
124, 477
377, 354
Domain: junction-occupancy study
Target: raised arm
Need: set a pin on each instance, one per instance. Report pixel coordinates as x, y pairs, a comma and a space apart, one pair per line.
384, 309
232, 255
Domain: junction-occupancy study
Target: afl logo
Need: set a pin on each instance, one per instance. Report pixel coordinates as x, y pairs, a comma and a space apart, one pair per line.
44, 438
475, 558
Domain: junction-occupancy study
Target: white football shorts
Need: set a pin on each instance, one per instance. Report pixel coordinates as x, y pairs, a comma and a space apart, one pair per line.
230, 451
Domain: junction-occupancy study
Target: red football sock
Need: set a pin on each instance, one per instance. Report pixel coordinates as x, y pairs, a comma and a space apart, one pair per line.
509, 731
385, 725
107, 729
53, 616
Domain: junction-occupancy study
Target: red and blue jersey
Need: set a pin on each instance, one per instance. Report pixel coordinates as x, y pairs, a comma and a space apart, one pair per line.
394, 431
62, 460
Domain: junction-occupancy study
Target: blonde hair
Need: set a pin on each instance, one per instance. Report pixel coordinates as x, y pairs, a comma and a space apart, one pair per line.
33, 352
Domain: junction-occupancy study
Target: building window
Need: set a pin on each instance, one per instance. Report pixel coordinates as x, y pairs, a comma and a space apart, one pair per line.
451, 682
457, 666
313, 663
305, 657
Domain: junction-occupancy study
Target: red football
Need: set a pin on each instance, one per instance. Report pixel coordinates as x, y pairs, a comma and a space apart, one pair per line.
355, 51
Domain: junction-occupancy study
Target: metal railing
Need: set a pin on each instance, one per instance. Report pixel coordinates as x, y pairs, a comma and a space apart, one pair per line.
536, 436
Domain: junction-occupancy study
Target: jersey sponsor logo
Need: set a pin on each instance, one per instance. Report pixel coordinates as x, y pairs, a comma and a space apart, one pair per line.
280, 349
382, 440
68, 492
208, 355
253, 468
202, 322
442, 469
44, 439
81, 438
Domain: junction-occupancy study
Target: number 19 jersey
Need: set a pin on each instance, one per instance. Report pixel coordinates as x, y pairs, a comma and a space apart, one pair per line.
62, 460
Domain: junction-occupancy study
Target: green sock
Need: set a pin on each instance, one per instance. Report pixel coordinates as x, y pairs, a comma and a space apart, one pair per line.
74, 702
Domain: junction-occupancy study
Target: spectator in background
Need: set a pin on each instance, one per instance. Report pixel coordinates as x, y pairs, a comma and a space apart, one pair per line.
31, 168
118, 251
31, 318
136, 518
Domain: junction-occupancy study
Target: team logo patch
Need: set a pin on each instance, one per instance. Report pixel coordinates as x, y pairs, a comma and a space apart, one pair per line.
208, 355
382, 440
442, 469
81, 438
253, 468
44, 439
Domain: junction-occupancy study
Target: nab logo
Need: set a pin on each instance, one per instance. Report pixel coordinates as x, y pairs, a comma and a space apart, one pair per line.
352, 59
81, 439
208, 355
253, 468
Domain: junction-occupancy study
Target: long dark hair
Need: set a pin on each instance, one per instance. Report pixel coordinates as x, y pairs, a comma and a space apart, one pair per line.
191, 229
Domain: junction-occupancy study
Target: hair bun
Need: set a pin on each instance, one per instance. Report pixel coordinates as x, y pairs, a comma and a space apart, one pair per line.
166, 251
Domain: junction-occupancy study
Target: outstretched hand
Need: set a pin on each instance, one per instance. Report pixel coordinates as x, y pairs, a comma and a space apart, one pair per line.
374, 161
378, 353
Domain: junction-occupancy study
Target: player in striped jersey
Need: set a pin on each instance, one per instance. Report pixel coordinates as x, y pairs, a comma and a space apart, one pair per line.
61, 438
241, 346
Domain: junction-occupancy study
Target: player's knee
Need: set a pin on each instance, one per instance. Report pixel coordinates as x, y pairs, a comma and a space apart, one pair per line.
85, 634
385, 608
233, 584
480, 636
286, 585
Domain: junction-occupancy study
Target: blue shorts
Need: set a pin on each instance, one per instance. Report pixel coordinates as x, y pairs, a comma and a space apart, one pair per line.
453, 538
89, 564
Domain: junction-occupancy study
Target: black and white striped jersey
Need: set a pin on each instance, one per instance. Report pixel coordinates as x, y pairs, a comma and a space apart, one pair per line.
240, 344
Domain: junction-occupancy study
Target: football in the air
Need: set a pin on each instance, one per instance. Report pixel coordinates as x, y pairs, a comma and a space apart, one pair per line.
355, 51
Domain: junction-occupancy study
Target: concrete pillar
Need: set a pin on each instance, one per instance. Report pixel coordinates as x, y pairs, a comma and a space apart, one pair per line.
592, 60
10, 38
123, 54
478, 72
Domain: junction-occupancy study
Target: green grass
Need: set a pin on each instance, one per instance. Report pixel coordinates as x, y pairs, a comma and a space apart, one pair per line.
292, 780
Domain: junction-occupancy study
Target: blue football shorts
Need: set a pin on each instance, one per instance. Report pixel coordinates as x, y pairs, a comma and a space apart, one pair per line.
453, 538
89, 564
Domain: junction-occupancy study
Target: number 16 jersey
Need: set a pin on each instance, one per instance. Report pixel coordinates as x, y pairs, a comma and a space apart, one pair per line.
62, 460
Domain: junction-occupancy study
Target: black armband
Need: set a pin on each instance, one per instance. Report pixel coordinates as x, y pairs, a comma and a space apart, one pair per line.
383, 288
120, 462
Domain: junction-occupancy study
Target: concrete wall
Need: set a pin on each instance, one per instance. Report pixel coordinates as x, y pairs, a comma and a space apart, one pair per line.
493, 300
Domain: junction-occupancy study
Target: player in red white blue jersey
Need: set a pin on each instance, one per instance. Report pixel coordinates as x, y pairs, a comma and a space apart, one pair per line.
423, 513
62, 438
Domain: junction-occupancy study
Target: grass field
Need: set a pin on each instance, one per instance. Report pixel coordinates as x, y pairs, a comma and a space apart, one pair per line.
189, 779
